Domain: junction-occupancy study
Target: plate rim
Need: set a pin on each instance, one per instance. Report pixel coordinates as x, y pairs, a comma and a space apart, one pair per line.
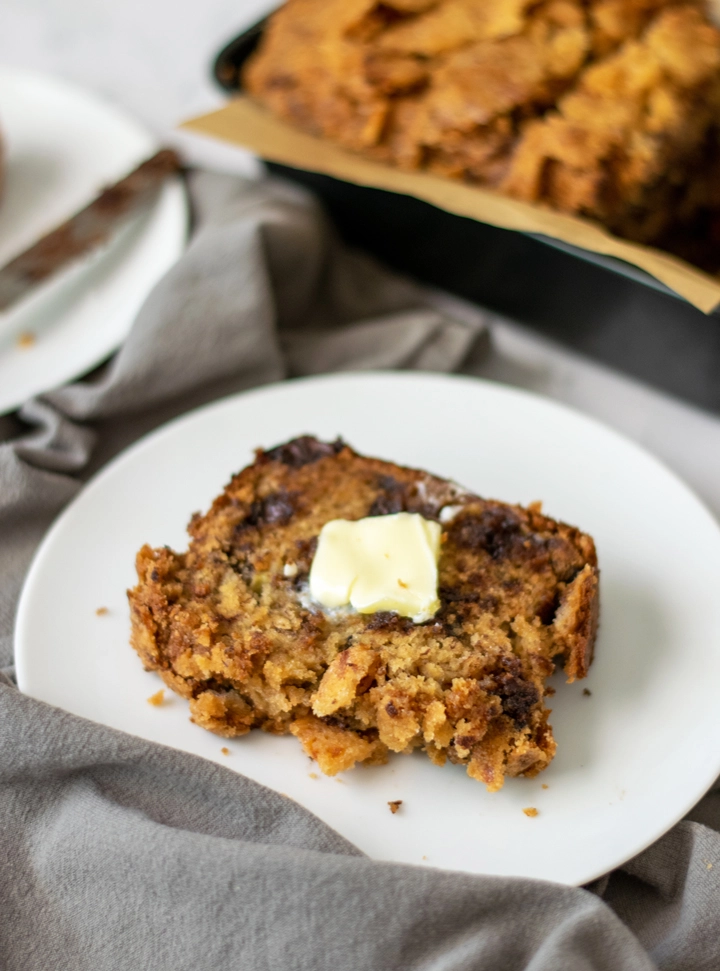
168, 428
172, 196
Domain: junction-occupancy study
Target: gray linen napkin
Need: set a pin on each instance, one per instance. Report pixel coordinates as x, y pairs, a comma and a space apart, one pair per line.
121, 854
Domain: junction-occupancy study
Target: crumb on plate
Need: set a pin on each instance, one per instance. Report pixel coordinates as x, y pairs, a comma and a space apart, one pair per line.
314, 775
587, 692
26, 339
530, 811
394, 805
225, 750
545, 785
158, 698
101, 611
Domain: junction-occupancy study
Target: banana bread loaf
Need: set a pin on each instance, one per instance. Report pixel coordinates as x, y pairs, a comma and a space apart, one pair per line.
609, 109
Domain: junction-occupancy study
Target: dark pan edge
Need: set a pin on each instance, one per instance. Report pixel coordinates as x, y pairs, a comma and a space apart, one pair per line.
226, 74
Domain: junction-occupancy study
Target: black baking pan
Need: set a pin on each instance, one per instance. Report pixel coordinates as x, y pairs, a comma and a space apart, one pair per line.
601, 306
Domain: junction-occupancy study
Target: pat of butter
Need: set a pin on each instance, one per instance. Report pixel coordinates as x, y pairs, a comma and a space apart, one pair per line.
379, 563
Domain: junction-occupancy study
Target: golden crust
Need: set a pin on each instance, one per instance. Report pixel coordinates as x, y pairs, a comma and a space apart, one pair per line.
609, 109
229, 624
631, 121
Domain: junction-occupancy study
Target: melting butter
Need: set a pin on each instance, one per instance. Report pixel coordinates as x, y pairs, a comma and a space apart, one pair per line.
379, 563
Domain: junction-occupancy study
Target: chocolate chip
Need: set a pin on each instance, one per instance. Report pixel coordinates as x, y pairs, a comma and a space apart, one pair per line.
518, 696
390, 498
386, 620
302, 451
498, 530
277, 509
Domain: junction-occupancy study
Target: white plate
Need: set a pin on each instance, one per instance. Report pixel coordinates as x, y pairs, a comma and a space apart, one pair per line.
632, 758
63, 146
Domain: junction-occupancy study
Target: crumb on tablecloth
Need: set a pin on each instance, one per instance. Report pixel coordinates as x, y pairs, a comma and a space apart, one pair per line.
530, 811
158, 698
394, 805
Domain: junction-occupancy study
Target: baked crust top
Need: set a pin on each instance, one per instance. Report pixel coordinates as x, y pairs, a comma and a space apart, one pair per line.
608, 109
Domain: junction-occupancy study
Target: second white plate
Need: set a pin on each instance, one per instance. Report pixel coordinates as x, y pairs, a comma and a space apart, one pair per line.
63, 146
633, 756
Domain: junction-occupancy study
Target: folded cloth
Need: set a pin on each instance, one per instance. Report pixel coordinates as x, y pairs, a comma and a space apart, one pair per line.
122, 854
265, 291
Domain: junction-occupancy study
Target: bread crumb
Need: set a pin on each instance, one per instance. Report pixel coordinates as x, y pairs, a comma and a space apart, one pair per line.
530, 811
587, 692
545, 785
424, 858
395, 805
158, 698
549, 690
340, 780
26, 339
101, 611
225, 750
314, 775
709, 866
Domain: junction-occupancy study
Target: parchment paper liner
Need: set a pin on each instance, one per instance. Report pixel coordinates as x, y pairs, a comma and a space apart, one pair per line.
243, 122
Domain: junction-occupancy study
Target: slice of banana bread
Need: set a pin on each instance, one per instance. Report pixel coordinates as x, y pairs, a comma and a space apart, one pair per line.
230, 623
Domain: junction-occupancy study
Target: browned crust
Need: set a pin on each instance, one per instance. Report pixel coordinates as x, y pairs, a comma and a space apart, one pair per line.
609, 109
577, 621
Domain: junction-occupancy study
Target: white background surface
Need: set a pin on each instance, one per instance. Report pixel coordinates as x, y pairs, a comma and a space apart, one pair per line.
624, 771
154, 57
